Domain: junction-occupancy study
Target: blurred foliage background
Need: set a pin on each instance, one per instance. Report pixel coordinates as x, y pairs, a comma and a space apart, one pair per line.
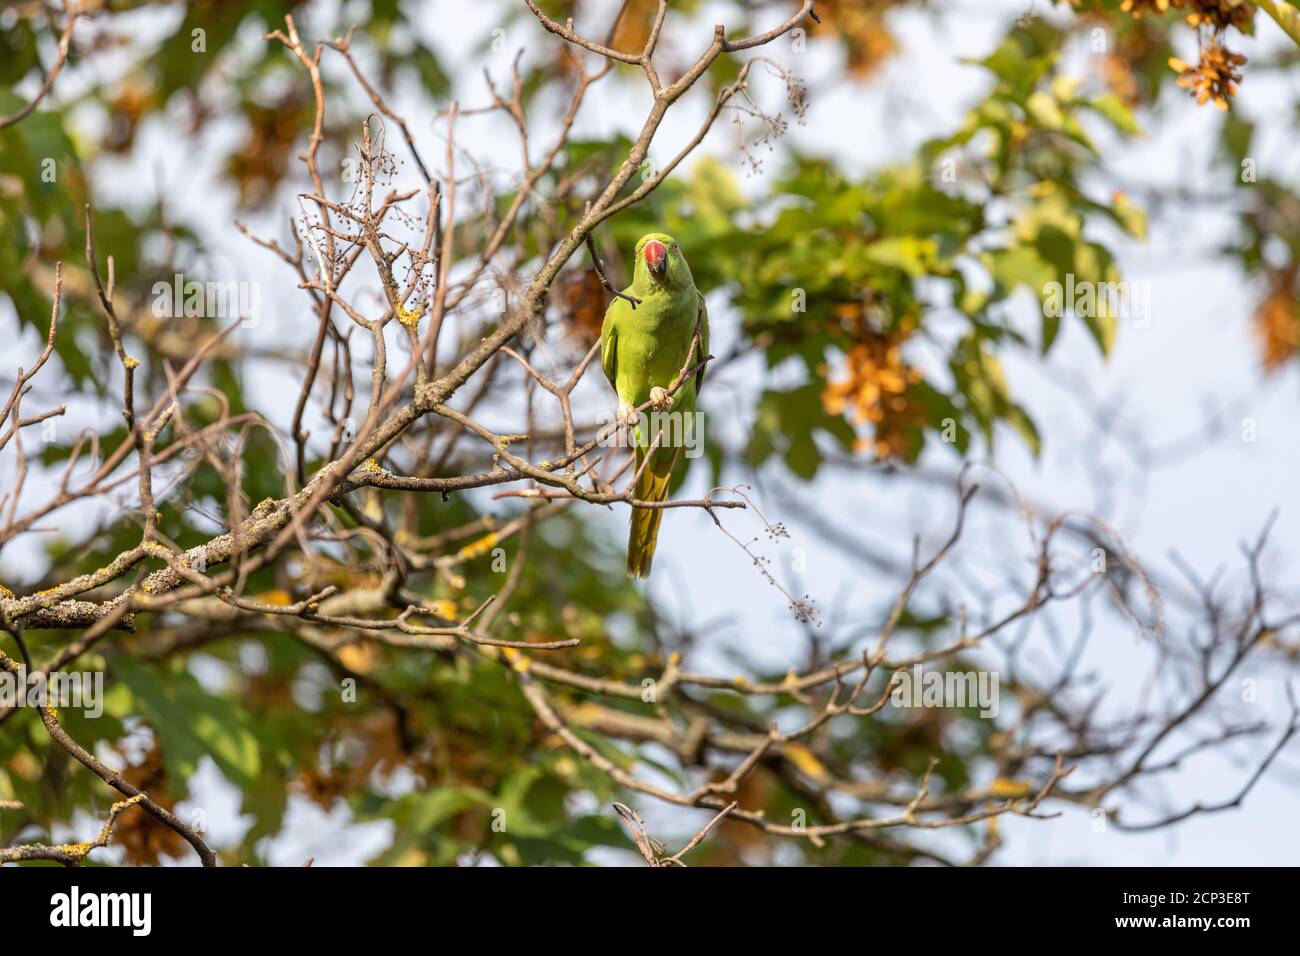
835, 277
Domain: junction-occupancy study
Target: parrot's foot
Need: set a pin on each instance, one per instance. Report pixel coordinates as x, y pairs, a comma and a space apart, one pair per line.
626, 414
659, 398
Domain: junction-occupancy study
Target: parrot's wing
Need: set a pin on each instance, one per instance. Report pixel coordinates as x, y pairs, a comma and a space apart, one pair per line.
609, 342
703, 350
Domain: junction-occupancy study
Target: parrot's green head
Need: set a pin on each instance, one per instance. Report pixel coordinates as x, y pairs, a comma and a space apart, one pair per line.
660, 264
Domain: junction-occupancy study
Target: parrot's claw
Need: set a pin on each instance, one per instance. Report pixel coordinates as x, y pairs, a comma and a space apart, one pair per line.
625, 415
659, 399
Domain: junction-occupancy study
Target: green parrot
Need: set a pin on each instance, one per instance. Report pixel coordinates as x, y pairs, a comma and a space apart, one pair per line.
642, 351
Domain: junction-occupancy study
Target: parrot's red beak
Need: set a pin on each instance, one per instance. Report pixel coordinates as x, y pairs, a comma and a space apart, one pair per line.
656, 257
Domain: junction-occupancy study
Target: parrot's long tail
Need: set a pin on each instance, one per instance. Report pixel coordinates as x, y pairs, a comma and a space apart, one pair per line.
652, 485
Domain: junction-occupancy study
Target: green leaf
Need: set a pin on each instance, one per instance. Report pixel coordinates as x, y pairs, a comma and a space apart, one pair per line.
1117, 112
1285, 15
1024, 425
912, 254
787, 421
1104, 329
1131, 217
1050, 329
1019, 265
191, 723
